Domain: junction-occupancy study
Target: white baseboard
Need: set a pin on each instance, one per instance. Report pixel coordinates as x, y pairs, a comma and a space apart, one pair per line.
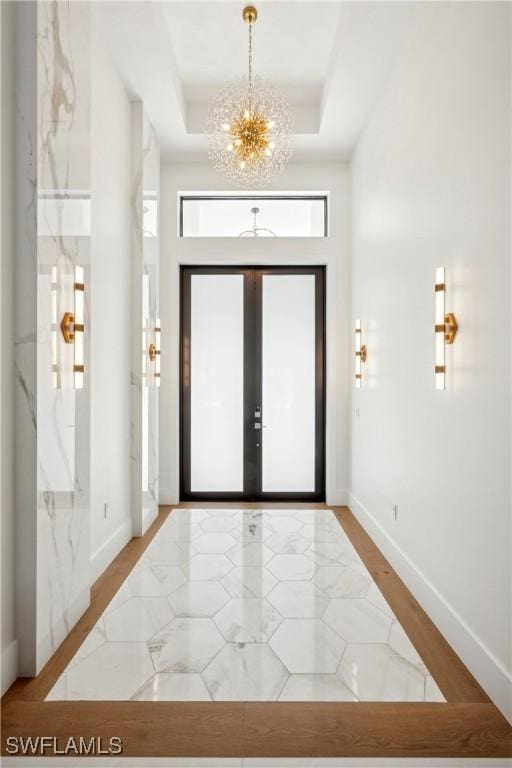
167, 497
337, 498
104, 555
9, 665
481, 662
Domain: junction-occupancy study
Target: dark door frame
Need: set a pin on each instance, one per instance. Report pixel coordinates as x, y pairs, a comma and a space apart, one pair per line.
252, 382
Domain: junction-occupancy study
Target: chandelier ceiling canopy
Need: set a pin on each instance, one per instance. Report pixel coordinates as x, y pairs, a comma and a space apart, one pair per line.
250, 127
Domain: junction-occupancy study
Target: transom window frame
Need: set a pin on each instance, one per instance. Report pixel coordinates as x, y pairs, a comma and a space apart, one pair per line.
254, 196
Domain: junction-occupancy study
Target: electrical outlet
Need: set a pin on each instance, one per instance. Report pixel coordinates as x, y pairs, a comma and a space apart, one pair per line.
105, 509
394, 511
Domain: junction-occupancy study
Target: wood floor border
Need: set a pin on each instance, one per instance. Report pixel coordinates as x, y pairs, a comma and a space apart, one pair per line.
468, 725
222, 729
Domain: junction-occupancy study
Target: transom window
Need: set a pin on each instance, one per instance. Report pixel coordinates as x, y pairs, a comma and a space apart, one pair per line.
253, 215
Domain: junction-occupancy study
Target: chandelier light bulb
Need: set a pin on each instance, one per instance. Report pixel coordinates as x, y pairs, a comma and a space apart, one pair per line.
259, 125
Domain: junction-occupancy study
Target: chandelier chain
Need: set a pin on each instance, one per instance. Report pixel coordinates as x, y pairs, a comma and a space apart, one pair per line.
250, 60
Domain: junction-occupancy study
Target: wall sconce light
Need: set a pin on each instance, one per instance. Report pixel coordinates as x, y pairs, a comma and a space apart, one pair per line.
154, 353
158, 337
73, 328
360, 354
54, 327
445, 328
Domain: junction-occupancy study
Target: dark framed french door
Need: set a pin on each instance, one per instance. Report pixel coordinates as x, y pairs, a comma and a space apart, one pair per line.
252, 368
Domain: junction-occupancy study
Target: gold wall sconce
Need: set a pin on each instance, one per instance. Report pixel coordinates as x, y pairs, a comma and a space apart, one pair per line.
72, 327
361, 354
445, 328
158, 342
154, 352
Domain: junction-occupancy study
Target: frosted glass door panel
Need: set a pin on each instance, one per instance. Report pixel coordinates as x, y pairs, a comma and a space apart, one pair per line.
216, 383
288, 383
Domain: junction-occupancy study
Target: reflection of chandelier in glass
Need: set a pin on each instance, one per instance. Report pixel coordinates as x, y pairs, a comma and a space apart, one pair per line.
249, 126
257, 231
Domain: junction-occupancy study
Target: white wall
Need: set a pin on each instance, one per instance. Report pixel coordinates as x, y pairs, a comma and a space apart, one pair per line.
8, 635
332, 251
431, 186
110, 313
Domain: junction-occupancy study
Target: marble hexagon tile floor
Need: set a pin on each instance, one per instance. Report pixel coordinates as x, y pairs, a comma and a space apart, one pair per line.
248, 604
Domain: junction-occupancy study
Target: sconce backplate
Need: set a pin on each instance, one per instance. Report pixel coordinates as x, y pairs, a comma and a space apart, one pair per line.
67, 327
450, 327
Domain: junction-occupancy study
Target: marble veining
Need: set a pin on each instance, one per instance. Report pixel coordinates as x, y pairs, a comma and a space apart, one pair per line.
145, 259
209, 615
60, 413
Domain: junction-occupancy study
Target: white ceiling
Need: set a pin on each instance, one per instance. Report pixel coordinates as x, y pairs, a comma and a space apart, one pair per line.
328, 58
292, 42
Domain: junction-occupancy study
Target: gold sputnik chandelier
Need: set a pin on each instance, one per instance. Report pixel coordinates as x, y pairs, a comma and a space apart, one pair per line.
249, 126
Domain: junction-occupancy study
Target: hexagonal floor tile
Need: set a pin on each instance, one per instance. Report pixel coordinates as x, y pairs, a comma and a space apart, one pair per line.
316, 688
198, 599
249, 553
252, 529
245, 673
218, 524
284, 524
164, 552
247, 620
179, 530
287, 543
291, 567
400, 644
375, 596
252, 581
174, 686
377, 673
323, 533
138, 619
185, 645
214, 543
330, 553
115, 671
189, 515
155, 580
307, 646
207, 567
432, 692
357, 621
341, 581
298, 600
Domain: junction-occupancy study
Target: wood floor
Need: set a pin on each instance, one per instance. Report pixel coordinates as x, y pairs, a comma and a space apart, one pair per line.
467, 725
